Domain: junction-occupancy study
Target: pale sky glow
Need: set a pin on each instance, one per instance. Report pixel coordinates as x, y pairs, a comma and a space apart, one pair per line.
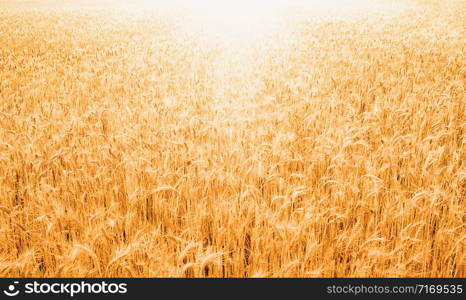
249, 18
241, 9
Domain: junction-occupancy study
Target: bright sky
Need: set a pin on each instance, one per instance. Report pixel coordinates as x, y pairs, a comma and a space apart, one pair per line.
259, 8
250, 17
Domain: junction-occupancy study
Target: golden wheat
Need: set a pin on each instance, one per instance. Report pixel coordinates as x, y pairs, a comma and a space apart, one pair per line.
130, 147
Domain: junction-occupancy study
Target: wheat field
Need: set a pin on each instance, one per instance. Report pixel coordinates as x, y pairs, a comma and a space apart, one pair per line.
141, 143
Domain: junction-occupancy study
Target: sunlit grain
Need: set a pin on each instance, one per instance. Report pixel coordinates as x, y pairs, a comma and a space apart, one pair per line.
248, 138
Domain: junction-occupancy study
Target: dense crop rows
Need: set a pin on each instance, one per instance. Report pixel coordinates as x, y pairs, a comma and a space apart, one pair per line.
131, 147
